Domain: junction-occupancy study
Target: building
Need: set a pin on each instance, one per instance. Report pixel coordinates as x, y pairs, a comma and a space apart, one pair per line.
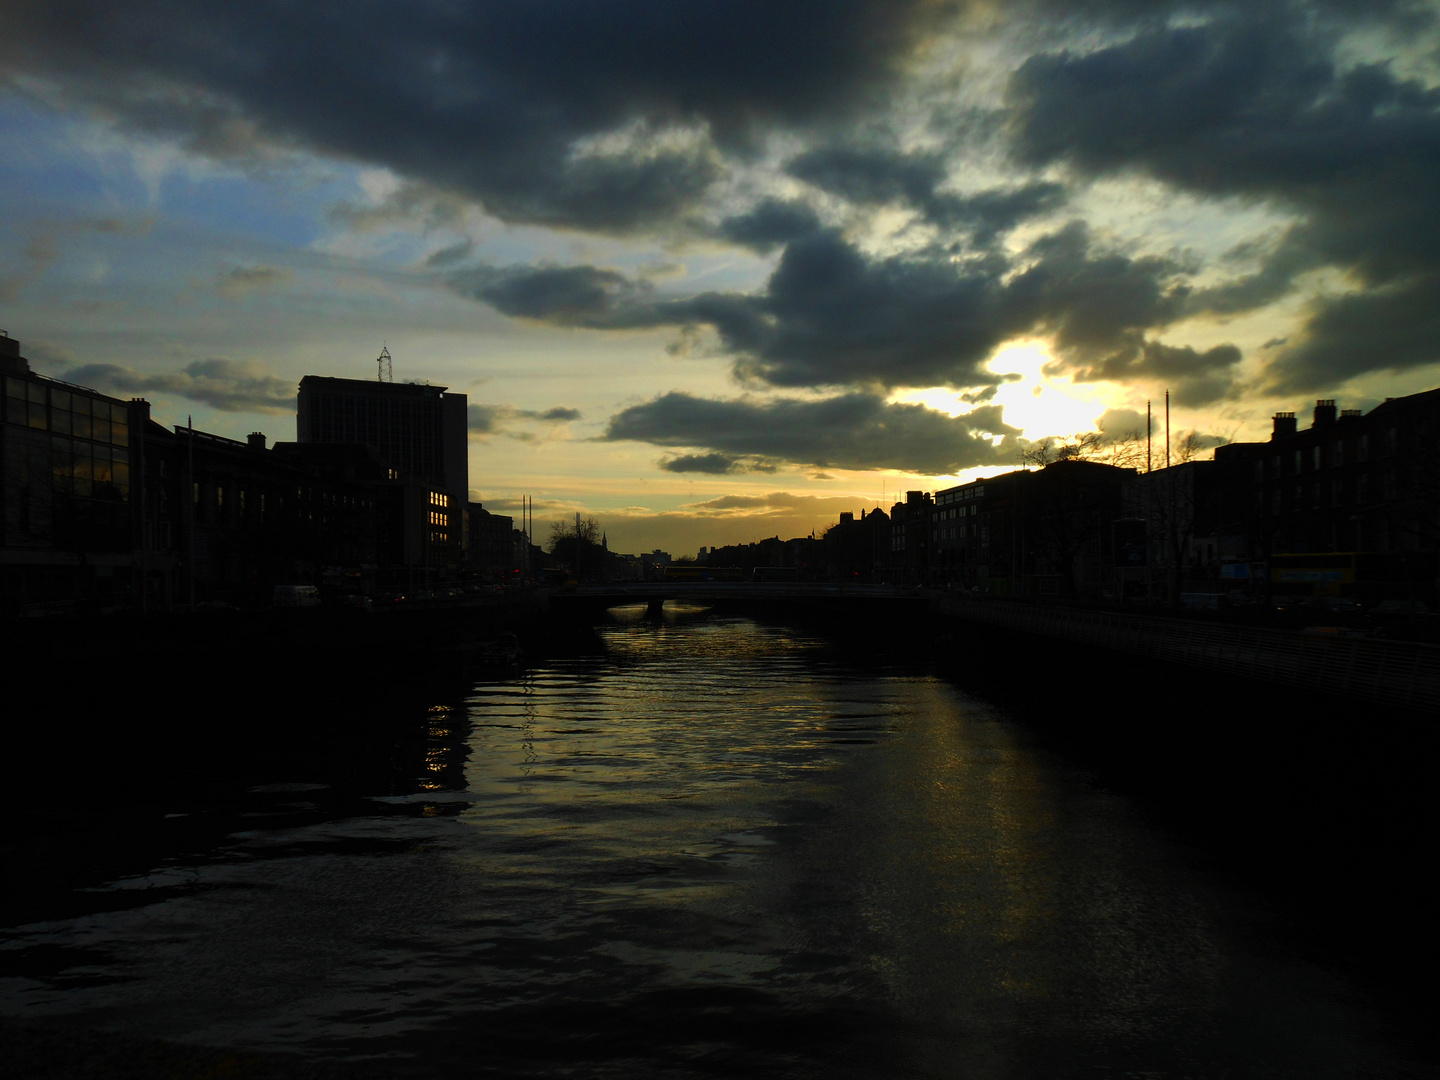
420, 432
1349, 505
910, 540
1046, 532
1167, 539
857, 549
69, 527
492, 552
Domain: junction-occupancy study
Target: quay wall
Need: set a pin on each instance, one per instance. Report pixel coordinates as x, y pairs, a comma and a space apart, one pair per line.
1397, 673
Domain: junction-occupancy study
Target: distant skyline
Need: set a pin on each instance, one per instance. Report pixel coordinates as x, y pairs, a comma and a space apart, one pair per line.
716, 272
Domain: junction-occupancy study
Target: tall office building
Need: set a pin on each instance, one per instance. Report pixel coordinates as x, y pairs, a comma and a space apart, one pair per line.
420, 431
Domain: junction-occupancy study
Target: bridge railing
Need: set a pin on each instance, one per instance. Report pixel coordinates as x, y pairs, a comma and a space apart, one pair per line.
1394, 672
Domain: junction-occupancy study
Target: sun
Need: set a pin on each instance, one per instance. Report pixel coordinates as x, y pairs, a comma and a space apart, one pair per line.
1040, 405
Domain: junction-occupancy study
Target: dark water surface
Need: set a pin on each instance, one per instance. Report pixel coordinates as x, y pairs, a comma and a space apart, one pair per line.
715, 849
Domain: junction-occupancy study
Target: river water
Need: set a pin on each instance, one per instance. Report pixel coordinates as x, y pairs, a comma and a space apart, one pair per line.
714, 848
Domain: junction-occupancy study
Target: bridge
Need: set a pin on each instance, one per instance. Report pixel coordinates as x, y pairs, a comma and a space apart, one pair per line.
654, 594
1330, 660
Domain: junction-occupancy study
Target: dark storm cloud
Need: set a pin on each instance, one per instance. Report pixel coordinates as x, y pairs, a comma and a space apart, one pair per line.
1196, 378
496, 100
852, 431
771, 224
1257, 107
714, 464
1092, 301
226, 385
871, 175
831, 315
485, 420
1389, 329
878, 176
567, 295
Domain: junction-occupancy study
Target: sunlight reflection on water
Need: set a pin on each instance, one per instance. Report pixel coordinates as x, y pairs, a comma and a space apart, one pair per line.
711, 850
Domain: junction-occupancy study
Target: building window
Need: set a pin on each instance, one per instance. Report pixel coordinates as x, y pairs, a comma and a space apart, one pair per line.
1337, 453
1317, 455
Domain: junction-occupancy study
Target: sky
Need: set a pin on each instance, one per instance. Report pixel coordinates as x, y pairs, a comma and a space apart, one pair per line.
716, 271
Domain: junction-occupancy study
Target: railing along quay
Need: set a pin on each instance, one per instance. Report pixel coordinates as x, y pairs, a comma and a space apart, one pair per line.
1401, 673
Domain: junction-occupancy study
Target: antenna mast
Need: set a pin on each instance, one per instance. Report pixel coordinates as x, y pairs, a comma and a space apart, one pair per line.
383, 362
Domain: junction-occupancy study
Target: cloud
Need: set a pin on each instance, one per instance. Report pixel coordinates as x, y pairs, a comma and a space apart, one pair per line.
1262, 107
880, 175
1197, 378
852, 431
715, 464
567, 295
450, 254
603, 117
1121, 422
483, 420
226, 385
771, 223
773, 503
1390, 329
831, 315
243, 280
43, 248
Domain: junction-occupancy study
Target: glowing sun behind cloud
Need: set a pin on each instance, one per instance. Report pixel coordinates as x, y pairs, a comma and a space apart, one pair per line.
1039, 404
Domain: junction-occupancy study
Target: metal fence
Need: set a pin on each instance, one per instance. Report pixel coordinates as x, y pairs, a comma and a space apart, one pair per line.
1398, 673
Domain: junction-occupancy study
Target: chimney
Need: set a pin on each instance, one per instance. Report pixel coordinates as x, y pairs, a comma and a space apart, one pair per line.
1284, 426
255, 440
1324, 412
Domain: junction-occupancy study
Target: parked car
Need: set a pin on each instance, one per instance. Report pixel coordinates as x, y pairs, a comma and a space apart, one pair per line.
297, 596
1399, 610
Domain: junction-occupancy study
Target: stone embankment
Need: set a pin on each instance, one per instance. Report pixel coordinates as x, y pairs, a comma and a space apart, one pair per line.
1329, 659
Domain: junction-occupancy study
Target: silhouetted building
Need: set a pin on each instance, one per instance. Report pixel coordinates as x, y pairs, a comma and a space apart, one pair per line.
1355, 498
1046, 532
69, 520
857, 549
421, 435
105, 508
1176, 514
492, 552
910, 539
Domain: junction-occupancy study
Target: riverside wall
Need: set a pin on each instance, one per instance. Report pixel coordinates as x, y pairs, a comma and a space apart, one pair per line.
1326, 659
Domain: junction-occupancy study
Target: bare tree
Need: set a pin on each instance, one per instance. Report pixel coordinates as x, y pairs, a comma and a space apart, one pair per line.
1084, 446
1125, 451
577, 544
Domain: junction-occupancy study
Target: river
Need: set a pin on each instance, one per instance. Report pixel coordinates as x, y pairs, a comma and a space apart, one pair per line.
713, 847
